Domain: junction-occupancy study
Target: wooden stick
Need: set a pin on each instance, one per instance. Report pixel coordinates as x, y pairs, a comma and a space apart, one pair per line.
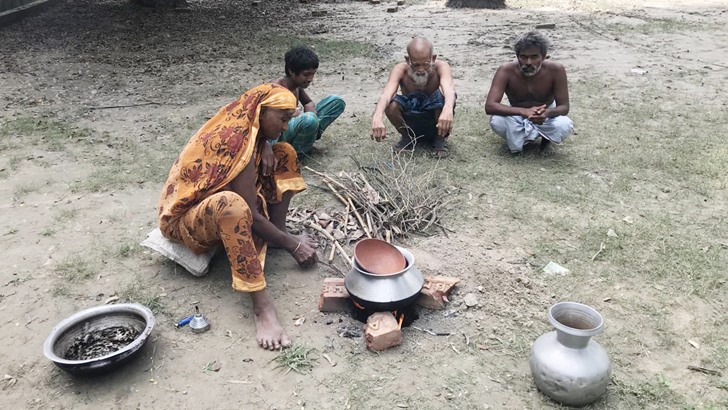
704, 370
369, 224
332, 254
346, 220
325, 177
359, 218
329, 237
107, 107
335, 192
601, 248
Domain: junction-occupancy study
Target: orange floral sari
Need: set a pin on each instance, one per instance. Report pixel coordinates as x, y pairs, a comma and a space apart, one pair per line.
197, 208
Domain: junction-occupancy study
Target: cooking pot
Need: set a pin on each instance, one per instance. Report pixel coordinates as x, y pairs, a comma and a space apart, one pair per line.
389, 292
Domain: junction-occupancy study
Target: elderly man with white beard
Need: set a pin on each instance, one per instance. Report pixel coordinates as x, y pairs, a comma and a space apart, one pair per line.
538, 95
425, 108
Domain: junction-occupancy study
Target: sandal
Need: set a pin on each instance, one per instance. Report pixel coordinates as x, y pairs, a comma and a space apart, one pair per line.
405, 144
440, 149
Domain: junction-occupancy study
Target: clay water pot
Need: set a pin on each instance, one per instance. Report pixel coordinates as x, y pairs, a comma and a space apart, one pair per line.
566, 364
379, 257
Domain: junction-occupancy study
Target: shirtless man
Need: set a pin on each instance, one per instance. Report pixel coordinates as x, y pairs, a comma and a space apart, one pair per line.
425, 108
305, 128
538, 95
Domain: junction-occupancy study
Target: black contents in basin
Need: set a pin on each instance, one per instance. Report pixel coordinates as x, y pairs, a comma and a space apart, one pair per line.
100, 342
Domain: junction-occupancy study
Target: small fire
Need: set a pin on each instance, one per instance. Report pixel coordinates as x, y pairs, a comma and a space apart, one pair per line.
400, 320
399, 317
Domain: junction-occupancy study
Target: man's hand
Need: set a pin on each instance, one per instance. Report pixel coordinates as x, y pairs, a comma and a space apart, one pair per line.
540, 117
305, 255
268, 160
532, 112
444, 123
379, 131
310, 107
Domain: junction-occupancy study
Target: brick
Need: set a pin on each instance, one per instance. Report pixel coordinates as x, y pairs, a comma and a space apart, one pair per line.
436, 291
334, 297
431, 299
382, 331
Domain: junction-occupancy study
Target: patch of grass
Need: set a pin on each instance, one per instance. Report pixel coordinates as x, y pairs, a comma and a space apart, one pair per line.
14, 162
655, 393
21, 191
54, 135
75, 268
66, 215
297, 358
125, 250
61, 291
653, 248
145, 296
136, 162
719, 356
48, 232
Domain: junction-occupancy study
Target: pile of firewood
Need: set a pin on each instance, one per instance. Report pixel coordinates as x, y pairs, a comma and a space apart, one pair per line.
335, 231
388, 200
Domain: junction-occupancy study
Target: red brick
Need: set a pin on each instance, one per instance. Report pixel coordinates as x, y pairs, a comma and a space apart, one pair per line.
431, 299
334, 297
436, 291
382, 331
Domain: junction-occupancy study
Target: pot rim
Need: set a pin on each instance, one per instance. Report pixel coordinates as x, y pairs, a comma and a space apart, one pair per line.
93, 312
408, 257
581, 308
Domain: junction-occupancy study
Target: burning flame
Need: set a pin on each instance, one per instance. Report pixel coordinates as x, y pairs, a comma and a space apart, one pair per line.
399, 318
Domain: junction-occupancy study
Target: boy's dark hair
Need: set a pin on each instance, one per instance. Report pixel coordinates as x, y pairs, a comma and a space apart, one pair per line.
300, 58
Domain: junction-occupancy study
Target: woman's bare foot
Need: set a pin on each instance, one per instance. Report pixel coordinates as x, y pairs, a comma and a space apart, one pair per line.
269, 332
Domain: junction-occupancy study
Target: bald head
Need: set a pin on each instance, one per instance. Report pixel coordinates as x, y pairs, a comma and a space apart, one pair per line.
419, 48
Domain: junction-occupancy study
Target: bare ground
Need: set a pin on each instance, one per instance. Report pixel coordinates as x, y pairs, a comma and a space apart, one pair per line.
80, 180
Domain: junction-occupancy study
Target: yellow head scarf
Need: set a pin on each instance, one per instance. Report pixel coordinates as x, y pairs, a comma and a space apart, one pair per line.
220, 150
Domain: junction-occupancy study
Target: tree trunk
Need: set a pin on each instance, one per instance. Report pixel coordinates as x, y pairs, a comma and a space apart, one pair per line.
161, 3
477, 4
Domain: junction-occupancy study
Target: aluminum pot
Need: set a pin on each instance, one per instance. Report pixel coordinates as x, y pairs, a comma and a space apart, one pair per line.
385, 292
566, 364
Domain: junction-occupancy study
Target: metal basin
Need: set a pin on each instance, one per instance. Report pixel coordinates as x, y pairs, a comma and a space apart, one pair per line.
385, 292
64, 334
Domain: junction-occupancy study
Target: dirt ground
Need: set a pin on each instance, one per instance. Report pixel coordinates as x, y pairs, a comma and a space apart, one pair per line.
98, 97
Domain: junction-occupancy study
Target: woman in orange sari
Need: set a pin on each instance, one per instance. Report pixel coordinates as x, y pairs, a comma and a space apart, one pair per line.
230, 185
